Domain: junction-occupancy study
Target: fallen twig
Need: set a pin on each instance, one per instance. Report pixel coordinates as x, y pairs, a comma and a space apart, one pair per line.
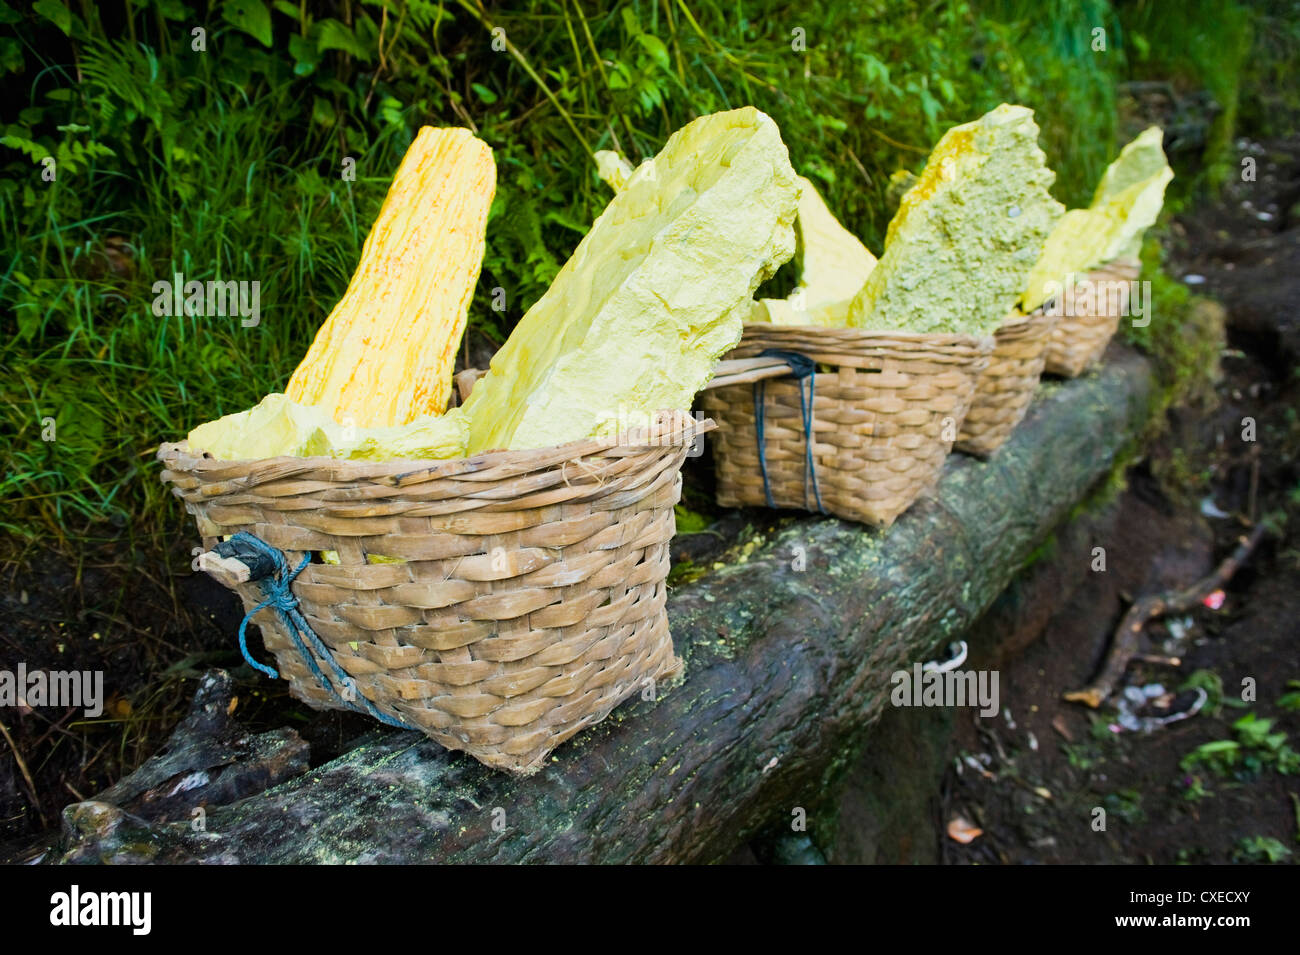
22, 767
1124, 644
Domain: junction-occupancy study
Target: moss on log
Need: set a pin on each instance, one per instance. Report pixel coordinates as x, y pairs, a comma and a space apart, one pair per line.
785, 671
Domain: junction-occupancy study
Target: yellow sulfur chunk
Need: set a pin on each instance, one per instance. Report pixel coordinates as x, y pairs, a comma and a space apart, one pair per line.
833, 266
653, 295
385, 354
332, 557
613, 169
1127, 202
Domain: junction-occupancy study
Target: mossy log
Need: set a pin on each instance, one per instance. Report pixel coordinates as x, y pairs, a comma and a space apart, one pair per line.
786, 668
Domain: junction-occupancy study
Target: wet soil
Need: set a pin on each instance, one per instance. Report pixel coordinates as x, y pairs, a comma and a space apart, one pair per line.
1035, 779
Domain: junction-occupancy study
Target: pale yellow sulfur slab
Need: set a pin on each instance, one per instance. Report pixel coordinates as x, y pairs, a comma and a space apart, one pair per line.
613, 169
653, 295
833, 266
1127, 202
277, 426
833, 263
966, 234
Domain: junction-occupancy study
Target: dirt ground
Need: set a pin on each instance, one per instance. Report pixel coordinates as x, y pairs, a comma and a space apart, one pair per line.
1034, 779
153, 632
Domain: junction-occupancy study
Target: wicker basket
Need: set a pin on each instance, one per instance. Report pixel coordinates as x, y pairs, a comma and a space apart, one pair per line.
1006, 387
527, 601
883, 418
1088, 322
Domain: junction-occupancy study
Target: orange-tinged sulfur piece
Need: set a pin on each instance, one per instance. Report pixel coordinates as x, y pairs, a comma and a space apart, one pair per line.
385, 354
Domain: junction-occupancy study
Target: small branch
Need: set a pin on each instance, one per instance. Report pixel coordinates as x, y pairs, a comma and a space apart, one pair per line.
22, 767
479, 14
1124, 644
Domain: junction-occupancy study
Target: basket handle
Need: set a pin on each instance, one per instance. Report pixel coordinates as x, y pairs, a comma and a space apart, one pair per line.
742, 371
731, 371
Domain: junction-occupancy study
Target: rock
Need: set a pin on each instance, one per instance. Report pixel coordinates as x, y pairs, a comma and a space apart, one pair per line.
967, 234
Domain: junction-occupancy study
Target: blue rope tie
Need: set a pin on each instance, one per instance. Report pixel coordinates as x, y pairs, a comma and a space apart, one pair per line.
267, 565
802, 367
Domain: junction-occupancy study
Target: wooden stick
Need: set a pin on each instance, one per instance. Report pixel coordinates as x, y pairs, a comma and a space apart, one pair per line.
1124, 644
227, 571
22, 767
466, 380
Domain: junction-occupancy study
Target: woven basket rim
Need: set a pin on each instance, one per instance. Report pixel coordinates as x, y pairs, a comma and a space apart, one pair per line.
1017, 322
856, 347
668, 429
866, 336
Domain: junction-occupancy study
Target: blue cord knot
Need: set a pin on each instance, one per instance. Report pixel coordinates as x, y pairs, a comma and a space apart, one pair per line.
267, 565
801, 367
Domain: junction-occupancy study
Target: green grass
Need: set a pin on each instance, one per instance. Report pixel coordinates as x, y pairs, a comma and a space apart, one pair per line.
1208, 43
225, 164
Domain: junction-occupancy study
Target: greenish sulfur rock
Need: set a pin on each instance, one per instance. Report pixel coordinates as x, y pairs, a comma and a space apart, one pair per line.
966, 234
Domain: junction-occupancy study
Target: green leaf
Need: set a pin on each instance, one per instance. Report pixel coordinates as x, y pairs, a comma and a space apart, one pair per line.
29, 320
56, 13
1140, 46
620, 78
305, 54
11, 55
333, 35
8, 14
322, 111
929, 105
688, 521
250, 16
832, 123
36, 151
655, 47
485, 94
172, 10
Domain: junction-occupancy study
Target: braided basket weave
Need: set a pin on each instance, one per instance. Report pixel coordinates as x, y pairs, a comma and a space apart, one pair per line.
1088, 322
884, 417
528, 595
1006, 387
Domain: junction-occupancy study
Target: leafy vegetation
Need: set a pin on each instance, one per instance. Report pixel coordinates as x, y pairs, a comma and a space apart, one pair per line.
1261, 849
1257, 747
254, 141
